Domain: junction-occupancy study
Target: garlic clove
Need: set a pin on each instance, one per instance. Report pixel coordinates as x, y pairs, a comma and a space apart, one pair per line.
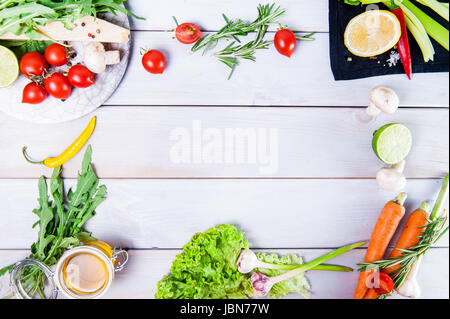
373, 110
391, 180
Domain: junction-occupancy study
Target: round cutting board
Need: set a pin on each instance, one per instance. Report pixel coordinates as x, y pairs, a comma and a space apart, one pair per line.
81, 101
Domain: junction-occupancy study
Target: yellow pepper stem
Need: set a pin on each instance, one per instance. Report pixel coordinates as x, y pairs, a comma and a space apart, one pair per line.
24, 152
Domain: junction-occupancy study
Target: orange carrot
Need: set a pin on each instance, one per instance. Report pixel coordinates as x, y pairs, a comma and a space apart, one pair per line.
371, 294
411, 233
387, 224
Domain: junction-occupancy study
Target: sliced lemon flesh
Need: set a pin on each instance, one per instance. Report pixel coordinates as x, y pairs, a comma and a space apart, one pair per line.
372, 33
9, 67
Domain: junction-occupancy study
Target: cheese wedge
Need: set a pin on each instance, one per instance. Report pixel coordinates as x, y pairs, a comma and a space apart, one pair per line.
87, 29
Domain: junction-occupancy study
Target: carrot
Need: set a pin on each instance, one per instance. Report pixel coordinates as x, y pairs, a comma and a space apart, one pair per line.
371, 294
410, 235
387, 224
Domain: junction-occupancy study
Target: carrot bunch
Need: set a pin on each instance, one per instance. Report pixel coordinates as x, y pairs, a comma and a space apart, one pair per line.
392, 214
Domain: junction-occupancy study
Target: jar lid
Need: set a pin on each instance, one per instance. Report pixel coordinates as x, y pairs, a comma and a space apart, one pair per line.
32, 279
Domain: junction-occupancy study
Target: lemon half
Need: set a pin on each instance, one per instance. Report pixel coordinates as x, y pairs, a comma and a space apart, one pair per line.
372, 33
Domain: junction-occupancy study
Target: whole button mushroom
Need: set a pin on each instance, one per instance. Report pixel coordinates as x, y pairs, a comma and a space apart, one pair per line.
382, 99
96, 58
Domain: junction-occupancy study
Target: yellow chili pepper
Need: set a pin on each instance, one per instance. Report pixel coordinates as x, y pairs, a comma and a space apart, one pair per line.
70, 152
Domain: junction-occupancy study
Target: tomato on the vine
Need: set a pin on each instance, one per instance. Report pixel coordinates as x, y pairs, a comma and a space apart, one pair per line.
79, 76
382, 283
58, 86
285, 42
154, 61
33, 93
33, 64
188, 33
56, 54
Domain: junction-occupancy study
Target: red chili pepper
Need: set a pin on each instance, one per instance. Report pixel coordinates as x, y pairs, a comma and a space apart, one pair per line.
403, 43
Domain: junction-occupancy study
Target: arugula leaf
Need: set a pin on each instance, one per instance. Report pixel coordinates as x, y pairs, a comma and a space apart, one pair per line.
45, 214
299, 284
207, 268
6, 269
21, 47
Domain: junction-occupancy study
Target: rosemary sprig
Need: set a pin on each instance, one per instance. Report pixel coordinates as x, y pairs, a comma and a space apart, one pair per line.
236, 28
433, 231
231, 54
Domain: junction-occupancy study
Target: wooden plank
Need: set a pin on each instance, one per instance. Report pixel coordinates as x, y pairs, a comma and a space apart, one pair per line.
147, 267
304, 15
135, 142
273, 213
274, 80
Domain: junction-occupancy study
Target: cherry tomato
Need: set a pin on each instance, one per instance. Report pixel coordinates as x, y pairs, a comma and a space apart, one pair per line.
33, 63
188, 33
56, 54
33, 93
154, 61
58, 86
79, 76
285, 42
382, 283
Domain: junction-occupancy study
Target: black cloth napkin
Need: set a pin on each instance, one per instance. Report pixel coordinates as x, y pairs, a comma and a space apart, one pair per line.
356, 67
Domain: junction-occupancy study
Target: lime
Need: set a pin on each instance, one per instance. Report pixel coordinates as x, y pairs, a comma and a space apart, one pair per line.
9, 67
392, 143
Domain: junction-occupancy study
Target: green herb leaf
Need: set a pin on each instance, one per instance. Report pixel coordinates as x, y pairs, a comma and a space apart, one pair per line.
5, 270
233, 30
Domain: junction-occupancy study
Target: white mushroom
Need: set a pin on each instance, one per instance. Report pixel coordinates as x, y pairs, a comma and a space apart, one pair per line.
382, 99
392, 179
96, 58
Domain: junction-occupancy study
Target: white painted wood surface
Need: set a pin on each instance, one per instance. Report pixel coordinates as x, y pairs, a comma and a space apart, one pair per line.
293, 213
302, 15
147, 267
135, 142
323, 195
274, 80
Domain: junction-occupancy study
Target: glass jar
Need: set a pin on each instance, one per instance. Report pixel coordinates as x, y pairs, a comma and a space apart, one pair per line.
84, 272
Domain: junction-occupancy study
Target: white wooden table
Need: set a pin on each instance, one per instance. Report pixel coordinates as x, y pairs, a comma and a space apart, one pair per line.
321, 193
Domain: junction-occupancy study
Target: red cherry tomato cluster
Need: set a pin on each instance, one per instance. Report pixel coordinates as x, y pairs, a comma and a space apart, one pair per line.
35, 66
